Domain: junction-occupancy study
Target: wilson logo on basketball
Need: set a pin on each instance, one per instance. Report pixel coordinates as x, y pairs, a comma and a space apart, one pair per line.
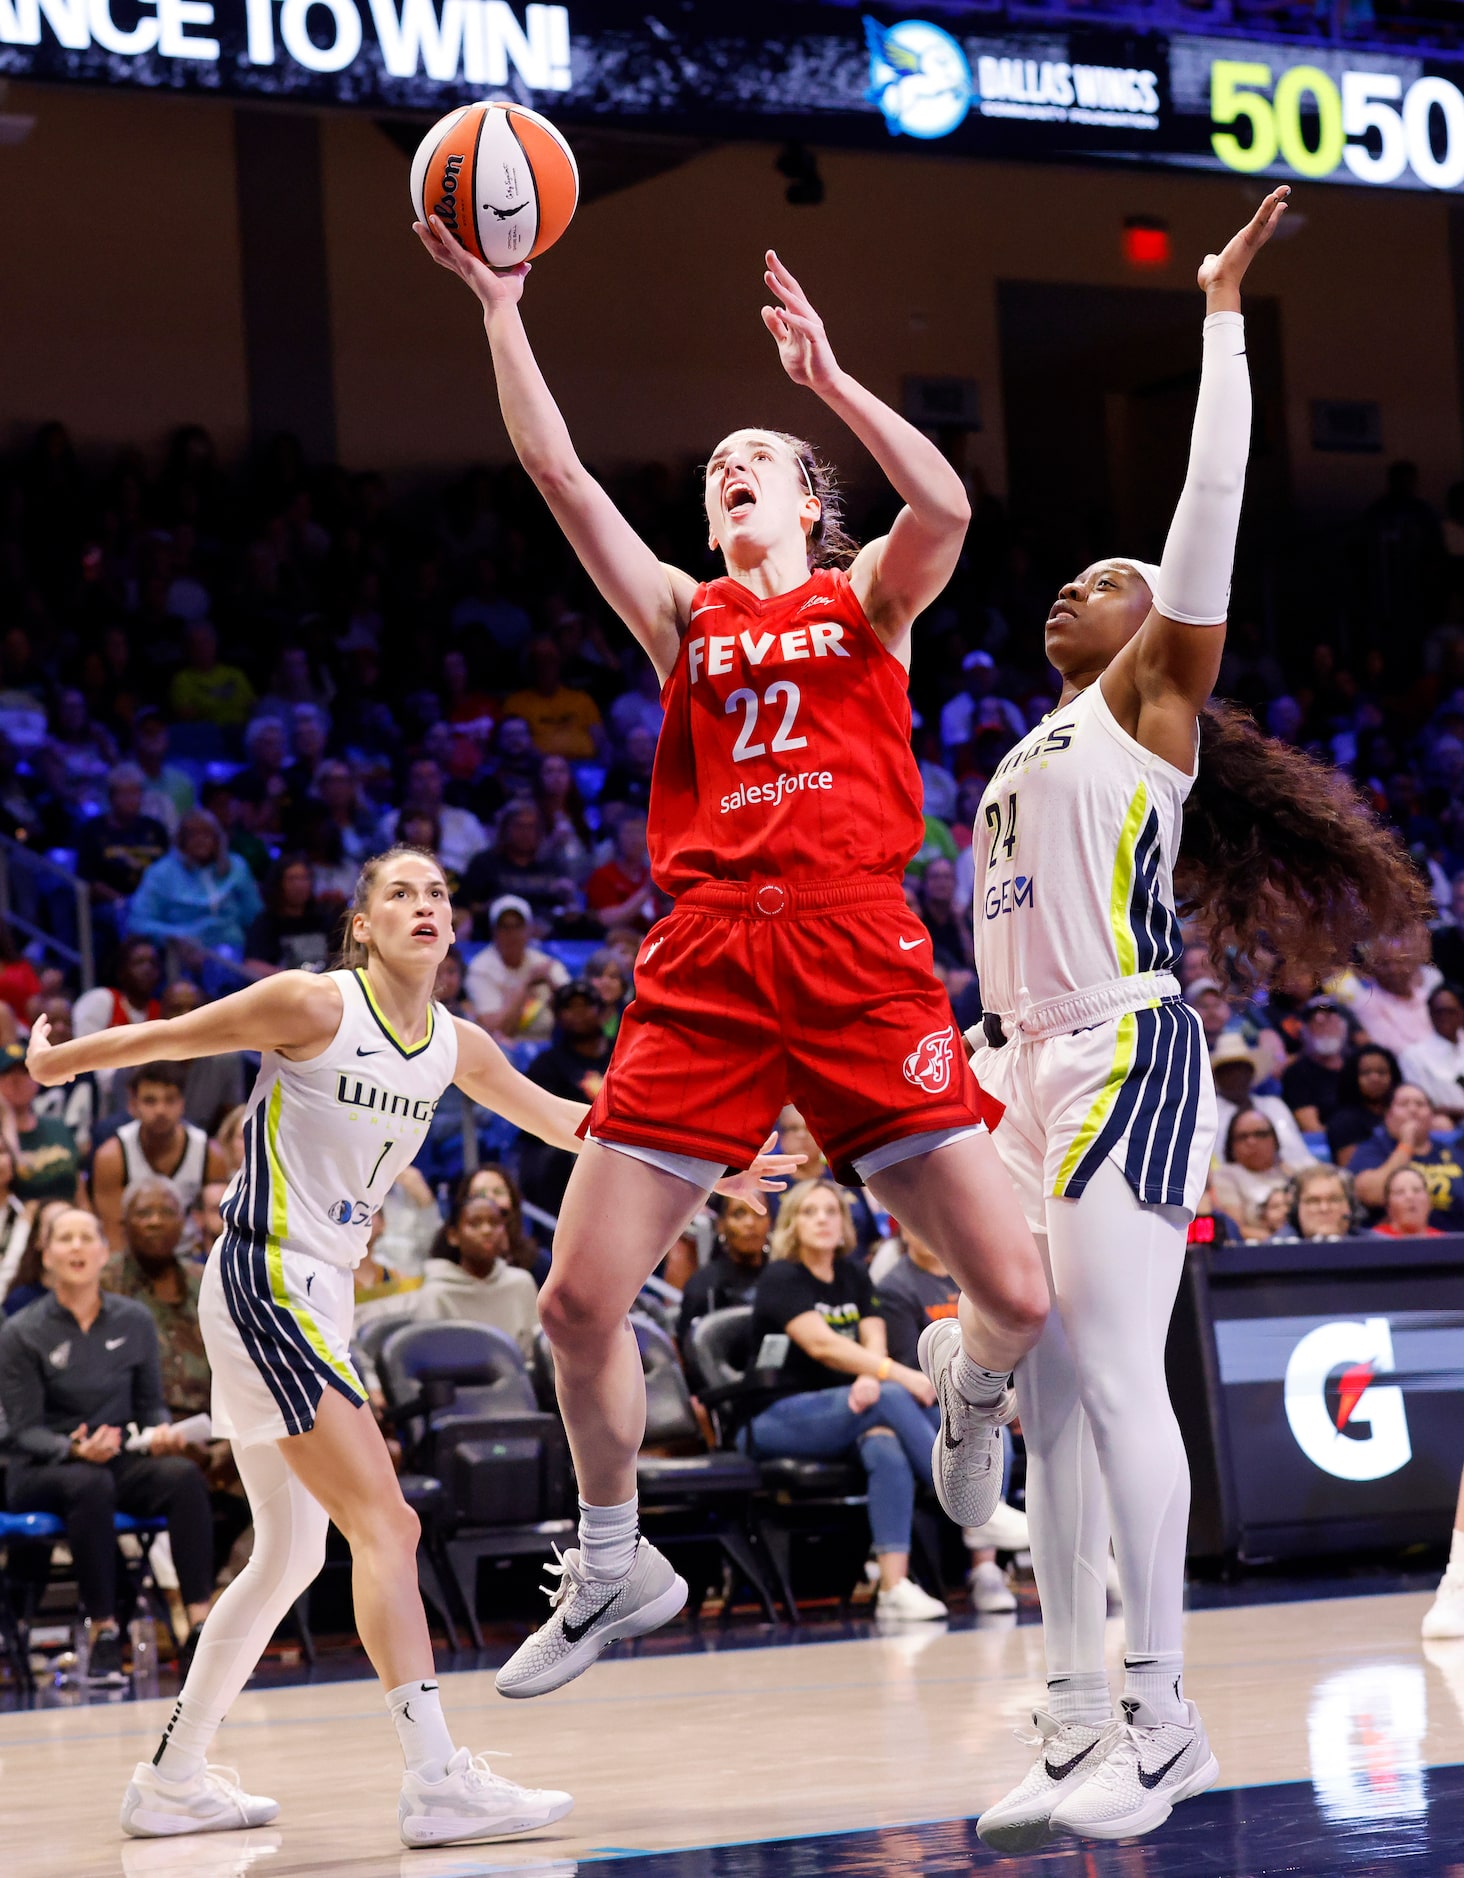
446, 206
928, 1065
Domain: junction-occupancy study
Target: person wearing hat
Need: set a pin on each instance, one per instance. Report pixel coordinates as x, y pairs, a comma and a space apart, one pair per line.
1437, 1064
1309, 1083
572, 1067
47, 1160
1237, 1066
511, 982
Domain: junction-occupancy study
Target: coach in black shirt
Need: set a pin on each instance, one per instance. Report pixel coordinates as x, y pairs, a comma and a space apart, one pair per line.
76, 1367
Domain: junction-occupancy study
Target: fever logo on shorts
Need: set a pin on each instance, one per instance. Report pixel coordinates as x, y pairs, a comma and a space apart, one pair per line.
928, 1065
1342, 1420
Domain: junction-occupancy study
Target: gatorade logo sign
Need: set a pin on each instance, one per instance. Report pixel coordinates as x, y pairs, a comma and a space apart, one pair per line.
1345, 1421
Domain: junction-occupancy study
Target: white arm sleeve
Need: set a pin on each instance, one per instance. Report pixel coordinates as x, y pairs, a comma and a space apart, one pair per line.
1194, 576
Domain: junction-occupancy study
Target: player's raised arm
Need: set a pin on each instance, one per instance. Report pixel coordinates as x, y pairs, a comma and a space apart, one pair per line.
650, 597
297, 1012
897, 576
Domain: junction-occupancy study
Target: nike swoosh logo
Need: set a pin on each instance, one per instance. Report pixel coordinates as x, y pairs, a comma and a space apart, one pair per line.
717, 606
1152, 1780
652, 947
1064, 1768
361, 1052
956, 1441
909, 945
115, 1343
574, 1632
507, 215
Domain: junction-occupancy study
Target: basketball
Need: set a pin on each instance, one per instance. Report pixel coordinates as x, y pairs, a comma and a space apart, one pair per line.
500, 177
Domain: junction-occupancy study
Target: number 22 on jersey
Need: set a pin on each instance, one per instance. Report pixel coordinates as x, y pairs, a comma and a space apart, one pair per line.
746, 701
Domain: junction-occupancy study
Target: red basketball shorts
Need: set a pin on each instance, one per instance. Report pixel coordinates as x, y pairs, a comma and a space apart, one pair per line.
748, 997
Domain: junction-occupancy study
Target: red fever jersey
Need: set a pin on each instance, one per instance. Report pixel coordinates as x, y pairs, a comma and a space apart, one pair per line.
785, 754
785, 806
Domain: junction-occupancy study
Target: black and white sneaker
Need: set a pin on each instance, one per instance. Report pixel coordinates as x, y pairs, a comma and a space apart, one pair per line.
1068, 1753
1151, 1767
966, 1458
104, 1660
588, 1615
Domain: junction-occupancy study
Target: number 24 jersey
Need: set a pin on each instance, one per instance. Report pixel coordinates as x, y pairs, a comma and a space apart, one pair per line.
785, 754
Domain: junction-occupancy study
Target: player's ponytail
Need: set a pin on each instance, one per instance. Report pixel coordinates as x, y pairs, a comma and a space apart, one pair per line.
829, 545
352, 952
1280, 851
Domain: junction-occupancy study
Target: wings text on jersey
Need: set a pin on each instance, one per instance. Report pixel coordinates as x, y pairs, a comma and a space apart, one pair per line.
356, 1092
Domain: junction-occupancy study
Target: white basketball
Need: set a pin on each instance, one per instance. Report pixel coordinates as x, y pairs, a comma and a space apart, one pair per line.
500, 177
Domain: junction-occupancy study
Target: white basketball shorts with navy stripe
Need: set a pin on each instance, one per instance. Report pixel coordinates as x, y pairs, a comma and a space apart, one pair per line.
276, 1325
1133, 1088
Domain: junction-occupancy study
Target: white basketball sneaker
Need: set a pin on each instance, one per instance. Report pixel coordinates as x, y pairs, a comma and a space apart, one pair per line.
1445, 1616
1151, 1767
589, 1614
1067, 1754
470, 1804
966, 1458
212, 1800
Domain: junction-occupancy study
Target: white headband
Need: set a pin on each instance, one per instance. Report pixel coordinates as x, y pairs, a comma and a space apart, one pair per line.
1148, 569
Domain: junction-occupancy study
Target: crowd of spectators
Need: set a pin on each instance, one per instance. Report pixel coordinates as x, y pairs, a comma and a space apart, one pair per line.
219, 694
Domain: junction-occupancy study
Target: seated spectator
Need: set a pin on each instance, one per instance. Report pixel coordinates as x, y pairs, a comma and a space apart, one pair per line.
16, 1222
294, 932
78, 1102
628, 779
1389, 1001
380, 1291
484, 611
66, 1425
518, 863
117, 847
150, 1268
1236, 1066
129, 997
30, 1282
730, 1275
1405, 1139
205, 690
562, 720
167, 791
611, 982
154, 1140
450, 989
1310, 1084
21, 985
621, 892
511, 983
1437, 1064
1275, 1216
837, 1392
641, 704
1364, 1090
1252, 1168
200, 896
501, 1184
562, 808
916, 1292
1322, 1203
229, 1138
47, 1159
205, 1220
74, 760
469, 1279
339, 791
1407, 1207
950, 934
263, 783
462, 834
213, 1086
574, 1067
239, 820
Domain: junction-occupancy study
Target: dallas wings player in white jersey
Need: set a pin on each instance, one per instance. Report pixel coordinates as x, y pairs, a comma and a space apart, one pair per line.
353, 1064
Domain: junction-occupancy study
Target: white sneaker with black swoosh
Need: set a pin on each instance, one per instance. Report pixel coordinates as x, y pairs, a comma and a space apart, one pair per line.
966, 1457
1068, 1753
1150, 1768
588, 1615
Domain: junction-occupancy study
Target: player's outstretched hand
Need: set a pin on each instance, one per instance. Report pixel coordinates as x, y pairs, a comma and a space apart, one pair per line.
761, 1177
493, 288
1227, 269
803, 345
40, 1056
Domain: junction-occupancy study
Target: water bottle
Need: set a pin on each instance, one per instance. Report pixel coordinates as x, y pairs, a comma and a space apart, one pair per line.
143, 1634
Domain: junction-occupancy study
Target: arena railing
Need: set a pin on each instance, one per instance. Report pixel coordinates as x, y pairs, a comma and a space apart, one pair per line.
44, 901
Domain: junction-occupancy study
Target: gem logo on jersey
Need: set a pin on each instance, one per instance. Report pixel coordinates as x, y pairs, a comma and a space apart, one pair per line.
1343, 1421
928, 1065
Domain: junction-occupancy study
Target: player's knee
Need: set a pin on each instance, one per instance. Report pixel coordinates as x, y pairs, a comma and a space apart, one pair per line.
398, 1527
1023, 1305
574, 1312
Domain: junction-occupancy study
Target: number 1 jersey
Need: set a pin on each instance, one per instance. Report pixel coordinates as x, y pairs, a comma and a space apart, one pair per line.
785, 754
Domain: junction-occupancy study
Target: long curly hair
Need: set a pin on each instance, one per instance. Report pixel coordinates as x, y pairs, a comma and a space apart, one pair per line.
1280, 852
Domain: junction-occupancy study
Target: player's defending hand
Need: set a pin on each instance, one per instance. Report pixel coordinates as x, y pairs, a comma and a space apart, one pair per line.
761, 1177
493, 288
40, 1056
803, 345
1220, 274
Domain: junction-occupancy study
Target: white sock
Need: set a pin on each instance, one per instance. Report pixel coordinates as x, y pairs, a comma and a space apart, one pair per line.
607, 1539
1456, 1554
982, 1388
1159, 1681
1081, 1697
416, 1708
183, 1750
